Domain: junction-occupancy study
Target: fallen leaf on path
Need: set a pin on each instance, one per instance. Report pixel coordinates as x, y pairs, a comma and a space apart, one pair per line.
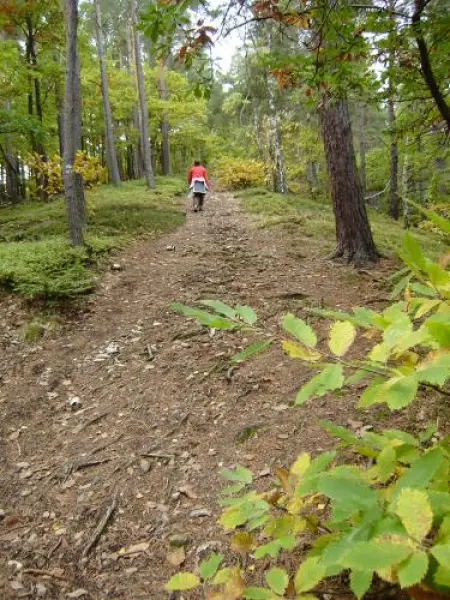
188, 492
78, 593
136, 549
177, 557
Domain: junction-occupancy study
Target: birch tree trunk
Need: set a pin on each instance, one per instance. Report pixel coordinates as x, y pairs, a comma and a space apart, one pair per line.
73, 182
279, 176
138, 161
111, 156
148, 170
353, 234
165, 126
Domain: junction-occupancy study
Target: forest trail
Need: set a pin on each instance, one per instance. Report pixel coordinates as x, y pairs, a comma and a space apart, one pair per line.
152, 433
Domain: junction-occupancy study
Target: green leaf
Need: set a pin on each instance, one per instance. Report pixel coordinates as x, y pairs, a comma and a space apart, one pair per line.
310, 573
222, 576
353, 494
294, 350
400, 286
220, 307
254, 593
374, 555
274, 548
439, 327
435, 371
278, 580
251, 350
414, 511
360, 582
183, 581
208, 568
247, 314
421, 472
413, 570
300, 330
340, 432
342, 336
397, 392
442, 554
387, 459
411, 253
239, 473
328, 380
203, 317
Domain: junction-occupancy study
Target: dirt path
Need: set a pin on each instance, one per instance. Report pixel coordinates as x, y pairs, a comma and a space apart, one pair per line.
152, 433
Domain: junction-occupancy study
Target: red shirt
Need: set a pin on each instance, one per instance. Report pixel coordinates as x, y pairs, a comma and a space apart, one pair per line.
198, 171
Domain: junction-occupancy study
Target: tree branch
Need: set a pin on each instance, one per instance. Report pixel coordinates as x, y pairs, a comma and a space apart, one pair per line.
426, 68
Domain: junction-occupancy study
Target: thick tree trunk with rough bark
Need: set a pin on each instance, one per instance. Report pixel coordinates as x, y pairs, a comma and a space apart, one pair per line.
73, 181
354, 237
111, 156
362, 147
148, 169
279, 175
165, 126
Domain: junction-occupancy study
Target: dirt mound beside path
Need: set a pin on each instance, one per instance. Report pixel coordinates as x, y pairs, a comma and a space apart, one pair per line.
153, 418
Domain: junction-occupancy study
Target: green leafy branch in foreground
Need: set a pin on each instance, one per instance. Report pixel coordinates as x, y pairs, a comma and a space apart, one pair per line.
387, 513
388, 517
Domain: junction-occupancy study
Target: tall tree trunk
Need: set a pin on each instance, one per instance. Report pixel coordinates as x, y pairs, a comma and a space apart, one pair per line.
362, 147
257, 130
394, 200
148, 169
311, 175
165, 127
138, 162
73, 181
279, 176
111, 156
406, 185
354, 237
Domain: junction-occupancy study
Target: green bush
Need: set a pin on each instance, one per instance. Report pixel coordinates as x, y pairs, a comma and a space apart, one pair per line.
50, 268
385, 513
35, 258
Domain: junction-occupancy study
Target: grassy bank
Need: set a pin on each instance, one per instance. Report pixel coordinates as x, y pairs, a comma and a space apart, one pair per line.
36, 258
314, 220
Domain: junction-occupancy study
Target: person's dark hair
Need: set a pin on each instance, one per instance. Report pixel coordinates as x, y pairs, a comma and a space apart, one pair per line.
197, 163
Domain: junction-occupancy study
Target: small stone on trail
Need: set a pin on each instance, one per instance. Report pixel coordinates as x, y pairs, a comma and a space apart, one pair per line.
170, 248
144, 465
41, 590
355, 424
188, 492
200, 512
116, 267
2, 514
179, 540
75, 403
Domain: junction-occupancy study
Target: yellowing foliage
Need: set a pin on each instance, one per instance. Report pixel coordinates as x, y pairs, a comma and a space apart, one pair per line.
49, 172
238, 174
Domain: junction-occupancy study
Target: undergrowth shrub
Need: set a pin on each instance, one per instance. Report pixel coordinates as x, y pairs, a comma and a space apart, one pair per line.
238, 174
385, 515
49, 172
50, 268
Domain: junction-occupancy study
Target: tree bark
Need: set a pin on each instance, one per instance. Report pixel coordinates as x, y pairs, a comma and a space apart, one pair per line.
111, 156
353, 234
362, 148
165, 126
406, 185
138, 162
279, 176
148, 170
73, 181
394, 200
